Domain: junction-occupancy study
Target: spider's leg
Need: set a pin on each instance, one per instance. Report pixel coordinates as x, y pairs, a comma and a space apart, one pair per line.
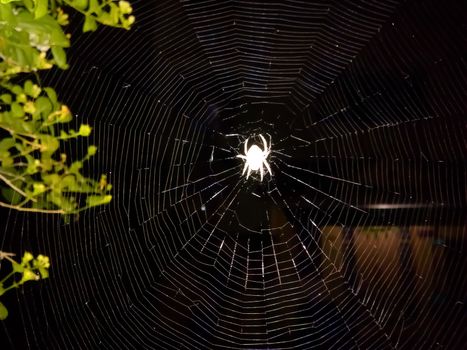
249, 172
261, 171
267, 166
244, 168
246, 146
241, 156
264, 143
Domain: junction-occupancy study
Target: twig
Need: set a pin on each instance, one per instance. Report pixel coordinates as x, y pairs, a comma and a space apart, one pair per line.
37, 210
9, 183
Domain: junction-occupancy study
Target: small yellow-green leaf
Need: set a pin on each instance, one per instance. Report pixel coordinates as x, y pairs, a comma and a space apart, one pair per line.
114, 13
9, 194
29, 5
43, 105
75, 167
21, 98
65, 115
27, 257
59, 56
92, 150
95, 7
80, 4
84, 130
3, 312
42, 261
6, 98
17, 90
93, 201
38, 188
17, 110
52, 95
6, 144
49, 144
42, 7
28, 275
90, 24
125, 7
31, 89
44, 273
17, 267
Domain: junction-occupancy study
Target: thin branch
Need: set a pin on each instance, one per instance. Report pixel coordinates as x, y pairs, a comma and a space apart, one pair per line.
5, 254
36, 210
9, 183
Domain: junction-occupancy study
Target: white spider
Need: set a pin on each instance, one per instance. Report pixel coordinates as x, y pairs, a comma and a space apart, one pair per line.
255, 158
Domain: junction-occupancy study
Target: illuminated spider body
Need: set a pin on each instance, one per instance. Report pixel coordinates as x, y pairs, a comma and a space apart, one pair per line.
255, 158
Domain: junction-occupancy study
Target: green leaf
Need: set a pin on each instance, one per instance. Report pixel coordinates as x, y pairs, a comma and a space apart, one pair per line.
44, 272
114, 13
75, 167
29, 5
90, 24
43, 105
68, 183
59, 56
3, 312
17, 90
31, 89
38, 188
84, 130
45, 30
6, 144
80, 4
52, 96
65, 117
17, 110
95, 7
17, 267
52, 179
92, 201
27, 257
42, 7
92, 150
28, 275
10, 195
6, 160
6, 14
49, 143
6, 98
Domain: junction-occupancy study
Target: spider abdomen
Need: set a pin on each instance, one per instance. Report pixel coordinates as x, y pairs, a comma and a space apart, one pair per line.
254, 157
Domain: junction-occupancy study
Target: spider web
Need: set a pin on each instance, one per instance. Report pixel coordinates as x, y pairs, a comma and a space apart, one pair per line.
355, 242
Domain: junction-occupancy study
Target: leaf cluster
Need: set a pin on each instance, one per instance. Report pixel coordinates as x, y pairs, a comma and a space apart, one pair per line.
38, 175
29, 269
32, 32
35, 175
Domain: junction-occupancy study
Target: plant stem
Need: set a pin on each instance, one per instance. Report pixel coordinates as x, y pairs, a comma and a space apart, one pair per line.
7, 277
9, 183
37, 210
14, 285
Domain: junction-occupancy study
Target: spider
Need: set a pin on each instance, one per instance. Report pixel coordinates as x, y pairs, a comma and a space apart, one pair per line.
255, 158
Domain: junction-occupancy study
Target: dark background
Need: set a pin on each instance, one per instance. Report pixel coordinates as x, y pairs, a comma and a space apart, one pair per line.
360, 231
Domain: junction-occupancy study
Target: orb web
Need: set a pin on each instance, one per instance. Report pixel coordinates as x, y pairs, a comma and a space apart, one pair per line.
356, 242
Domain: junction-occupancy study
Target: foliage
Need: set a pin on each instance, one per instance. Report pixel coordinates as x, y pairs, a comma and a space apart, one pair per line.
38, 178
34, 174
32, 35
30, 269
